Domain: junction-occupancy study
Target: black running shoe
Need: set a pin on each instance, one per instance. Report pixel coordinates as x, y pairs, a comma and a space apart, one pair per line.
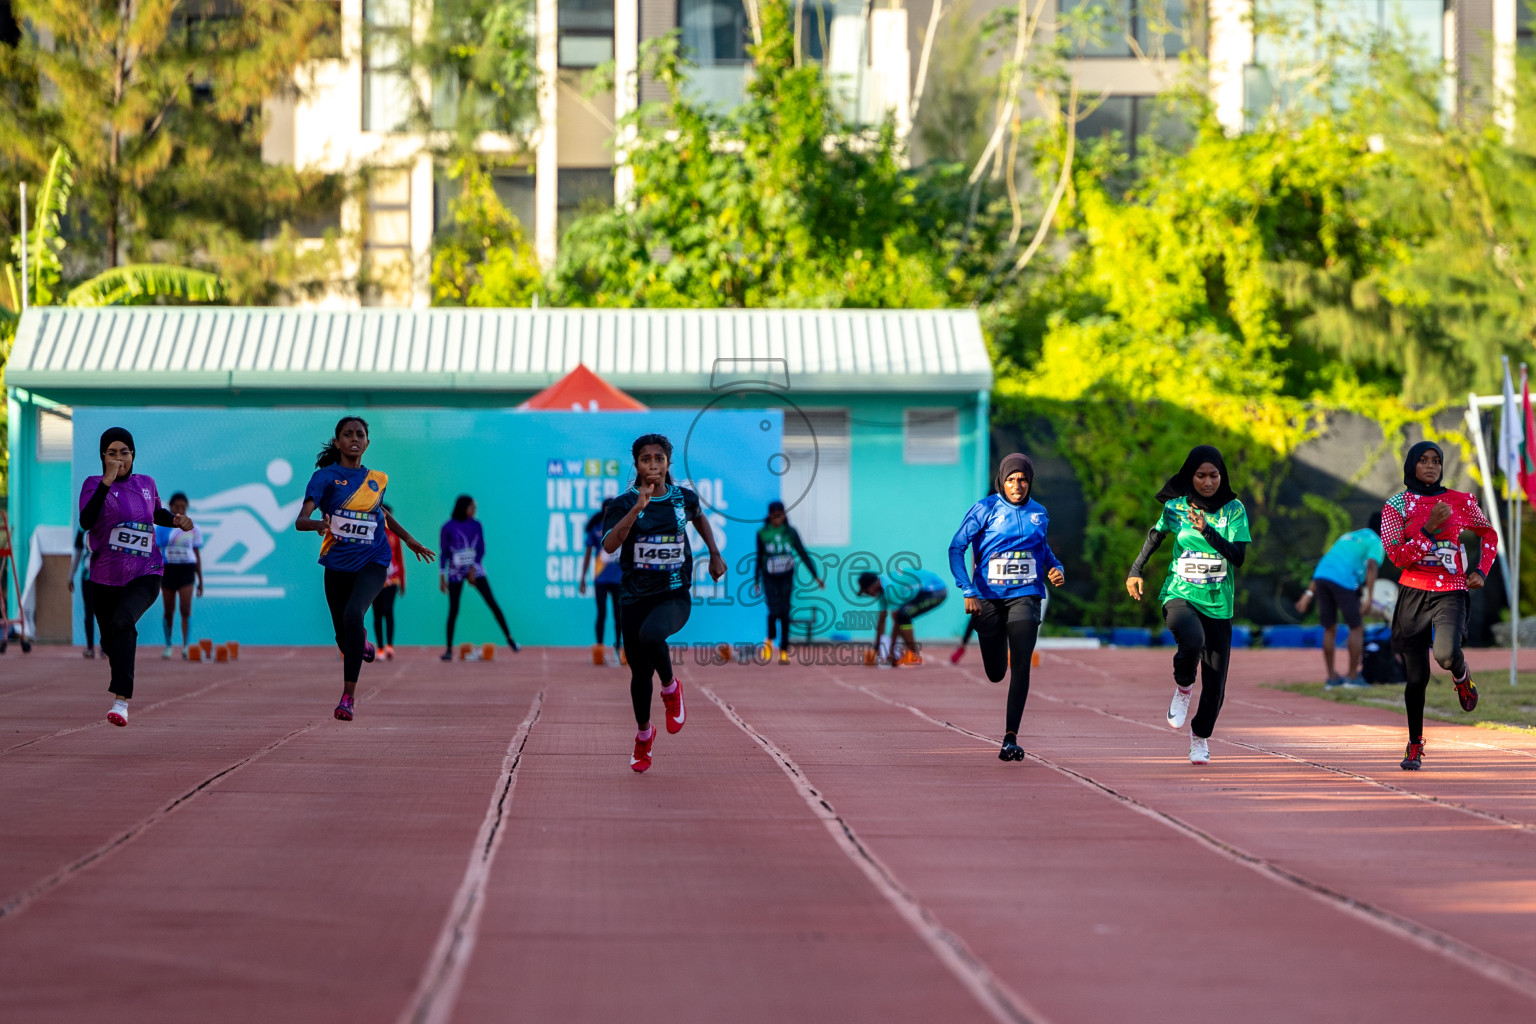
1011, 752
1466, 692
1414, 757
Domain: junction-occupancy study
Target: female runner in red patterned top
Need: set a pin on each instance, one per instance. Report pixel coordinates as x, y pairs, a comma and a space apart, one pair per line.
1421, 528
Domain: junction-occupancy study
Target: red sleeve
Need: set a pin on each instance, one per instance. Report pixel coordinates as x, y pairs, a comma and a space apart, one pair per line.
1402, 548
1478, 523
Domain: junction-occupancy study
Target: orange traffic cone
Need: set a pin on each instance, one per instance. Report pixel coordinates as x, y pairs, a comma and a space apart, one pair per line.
207, 646
597, 654
464, 650
725, 652
488, 652
869, 657
195, 653
234, 650
221, 653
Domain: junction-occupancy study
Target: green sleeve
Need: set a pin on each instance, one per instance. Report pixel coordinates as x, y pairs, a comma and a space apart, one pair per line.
1237, 523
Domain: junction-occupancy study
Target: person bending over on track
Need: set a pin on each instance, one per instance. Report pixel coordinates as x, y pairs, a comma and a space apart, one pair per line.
778, 544
82, 565
121, 509
607, 582
1351, 562
913, 592
1421, 528
647, 525
353, 546
463, 546
1006, 533
394, 587
182, 552
1210, 535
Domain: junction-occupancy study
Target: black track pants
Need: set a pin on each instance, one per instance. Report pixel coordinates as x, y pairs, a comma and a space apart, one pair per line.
1426, 623
384, 615
1204, 643
349, 594
1006, 631
607, 592
480, 583
648, 622
118, 610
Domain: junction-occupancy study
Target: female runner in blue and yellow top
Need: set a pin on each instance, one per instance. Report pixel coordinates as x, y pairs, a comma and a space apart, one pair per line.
353, 546
1006, 534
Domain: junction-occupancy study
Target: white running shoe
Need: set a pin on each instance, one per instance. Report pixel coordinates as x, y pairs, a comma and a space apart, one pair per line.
167, 653
1178, 708
119, 713
1199, 749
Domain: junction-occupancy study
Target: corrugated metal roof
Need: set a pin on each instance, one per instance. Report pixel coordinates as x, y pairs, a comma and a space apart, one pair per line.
497, 349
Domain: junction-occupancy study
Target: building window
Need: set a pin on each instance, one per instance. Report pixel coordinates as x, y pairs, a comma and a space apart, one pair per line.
387, 237
1525, 24
1106, 28
817, 445
586, 33
55, 433
386, 75
583, 189
715, 32
1134, 121
930, 437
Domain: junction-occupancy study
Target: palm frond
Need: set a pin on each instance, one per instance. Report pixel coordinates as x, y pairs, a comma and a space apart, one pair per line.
139, 283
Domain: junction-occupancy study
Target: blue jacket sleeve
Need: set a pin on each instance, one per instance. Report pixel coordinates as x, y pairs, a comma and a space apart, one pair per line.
969, 528
1051, 561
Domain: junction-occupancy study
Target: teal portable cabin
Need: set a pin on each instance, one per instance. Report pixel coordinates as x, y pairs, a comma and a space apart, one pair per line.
870, 425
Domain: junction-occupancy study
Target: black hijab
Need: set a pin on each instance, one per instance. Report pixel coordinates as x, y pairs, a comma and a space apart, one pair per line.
1182, 483
1411, 463
1016, 463
116, 434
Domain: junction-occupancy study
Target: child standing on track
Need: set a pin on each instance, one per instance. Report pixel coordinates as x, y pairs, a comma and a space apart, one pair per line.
1210, 536
1006, 533
121, 509
183, 555
913, 592
1421, 528
778, 544
353, 547
647, 525
394, 586
607, 583
463, 545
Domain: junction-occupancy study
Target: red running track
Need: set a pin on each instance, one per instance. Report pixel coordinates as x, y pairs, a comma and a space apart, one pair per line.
818, 844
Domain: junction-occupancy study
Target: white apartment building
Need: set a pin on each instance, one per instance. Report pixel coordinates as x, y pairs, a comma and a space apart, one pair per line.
350, 114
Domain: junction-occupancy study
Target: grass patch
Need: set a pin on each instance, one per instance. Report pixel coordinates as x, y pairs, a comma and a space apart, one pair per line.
1499, 705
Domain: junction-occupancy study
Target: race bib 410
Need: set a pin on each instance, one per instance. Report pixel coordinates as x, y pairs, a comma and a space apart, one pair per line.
354, 527
132, 539
659, 551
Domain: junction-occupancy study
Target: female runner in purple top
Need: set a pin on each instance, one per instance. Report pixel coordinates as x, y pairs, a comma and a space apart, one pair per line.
463, 555
120, 509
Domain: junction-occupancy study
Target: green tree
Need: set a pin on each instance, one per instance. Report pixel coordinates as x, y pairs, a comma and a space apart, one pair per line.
482, 259
160, 103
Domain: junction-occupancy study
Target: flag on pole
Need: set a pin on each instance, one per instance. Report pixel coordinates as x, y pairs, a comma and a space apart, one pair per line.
1527, 456
1511, 437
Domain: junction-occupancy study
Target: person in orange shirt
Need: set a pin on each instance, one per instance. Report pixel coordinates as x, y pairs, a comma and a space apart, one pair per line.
394, 586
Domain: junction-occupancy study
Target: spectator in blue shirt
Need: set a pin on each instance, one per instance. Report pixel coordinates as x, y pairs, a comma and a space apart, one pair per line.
1351, 562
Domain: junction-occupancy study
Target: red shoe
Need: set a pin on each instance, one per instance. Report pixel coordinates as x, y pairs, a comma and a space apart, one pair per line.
1414, 756
677, 714
389, 653
640, 760
1466, 692
954, 659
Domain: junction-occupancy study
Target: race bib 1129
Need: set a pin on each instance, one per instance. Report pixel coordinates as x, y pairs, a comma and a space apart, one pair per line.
1012, 569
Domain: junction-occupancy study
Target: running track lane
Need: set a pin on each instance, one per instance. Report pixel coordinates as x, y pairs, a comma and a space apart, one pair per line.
307, 885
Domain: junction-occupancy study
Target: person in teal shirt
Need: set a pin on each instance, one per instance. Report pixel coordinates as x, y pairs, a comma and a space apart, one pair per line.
1210, 535
911, 592
1350, 563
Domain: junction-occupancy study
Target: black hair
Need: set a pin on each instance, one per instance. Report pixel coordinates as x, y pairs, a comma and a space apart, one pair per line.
179, 495
1374, 523
330, 454
776, 506
865, 579
461, 506
660, 440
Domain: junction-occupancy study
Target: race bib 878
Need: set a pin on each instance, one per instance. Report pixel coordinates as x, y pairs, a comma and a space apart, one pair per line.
132, 539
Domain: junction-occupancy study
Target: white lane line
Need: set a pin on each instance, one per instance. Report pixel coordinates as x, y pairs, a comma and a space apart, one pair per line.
438, 990
1489, 966
1003, 1004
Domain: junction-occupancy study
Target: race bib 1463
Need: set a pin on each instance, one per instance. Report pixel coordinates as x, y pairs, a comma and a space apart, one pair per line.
132, 539
354, 527
661, 551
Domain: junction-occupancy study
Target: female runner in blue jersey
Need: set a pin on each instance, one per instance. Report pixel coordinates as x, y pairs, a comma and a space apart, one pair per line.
353, 546
1006, 534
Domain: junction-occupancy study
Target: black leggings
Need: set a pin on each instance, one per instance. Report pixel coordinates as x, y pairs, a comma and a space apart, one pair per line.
118, 610
480, 583
1006, 631
609, 592
648, 622
1205, 643
90, 614
349, 594
1426, 623
384, 615
778, 591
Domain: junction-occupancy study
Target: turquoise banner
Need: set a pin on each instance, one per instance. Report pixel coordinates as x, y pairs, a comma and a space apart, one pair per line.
535, 476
